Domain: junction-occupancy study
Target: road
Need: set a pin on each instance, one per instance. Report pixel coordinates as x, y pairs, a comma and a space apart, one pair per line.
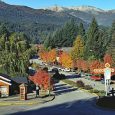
68, 100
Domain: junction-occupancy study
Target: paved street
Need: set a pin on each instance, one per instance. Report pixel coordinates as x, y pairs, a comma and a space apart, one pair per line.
68, 100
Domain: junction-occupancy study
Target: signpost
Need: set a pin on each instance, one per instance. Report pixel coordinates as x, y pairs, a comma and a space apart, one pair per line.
23, 92
107, 75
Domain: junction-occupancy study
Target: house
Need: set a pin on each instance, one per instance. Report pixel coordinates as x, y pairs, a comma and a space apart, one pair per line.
10, 86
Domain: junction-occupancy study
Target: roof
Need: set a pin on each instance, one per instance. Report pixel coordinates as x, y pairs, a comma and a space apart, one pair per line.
5, 79
20, 80
5, 76
9, 79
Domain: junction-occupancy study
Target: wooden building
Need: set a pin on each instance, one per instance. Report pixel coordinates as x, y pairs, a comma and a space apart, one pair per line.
10, 86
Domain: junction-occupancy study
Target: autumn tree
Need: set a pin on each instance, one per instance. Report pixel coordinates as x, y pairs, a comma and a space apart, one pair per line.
51, 56
95, 64
108, 59
44, 55
65, 60
78, 49
42, 78
84, 65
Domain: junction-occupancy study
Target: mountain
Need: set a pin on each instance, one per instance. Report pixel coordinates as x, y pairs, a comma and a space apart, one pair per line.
34, 22
86, 13
37, 23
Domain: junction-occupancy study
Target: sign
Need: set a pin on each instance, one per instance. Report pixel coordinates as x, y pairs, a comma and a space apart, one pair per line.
23, 92
107, 75
107, 71
4, 91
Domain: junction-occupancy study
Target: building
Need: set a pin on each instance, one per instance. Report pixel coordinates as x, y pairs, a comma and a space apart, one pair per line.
10, 86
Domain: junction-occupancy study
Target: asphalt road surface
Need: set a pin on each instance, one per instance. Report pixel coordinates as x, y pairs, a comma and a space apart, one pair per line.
68, 101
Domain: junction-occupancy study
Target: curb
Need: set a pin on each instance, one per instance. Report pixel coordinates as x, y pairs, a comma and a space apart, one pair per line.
8, 103
82, 89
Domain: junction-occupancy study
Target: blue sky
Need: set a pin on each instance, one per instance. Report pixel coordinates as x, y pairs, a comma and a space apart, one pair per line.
103, 4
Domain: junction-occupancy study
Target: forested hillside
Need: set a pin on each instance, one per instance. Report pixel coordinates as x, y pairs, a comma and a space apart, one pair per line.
35, 23
96, 40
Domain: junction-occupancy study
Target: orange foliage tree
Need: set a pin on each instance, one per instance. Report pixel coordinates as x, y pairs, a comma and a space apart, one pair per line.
81, 64
43, 55
95, 64
41, 78
108, 59
51, 57
65, 60
84, 65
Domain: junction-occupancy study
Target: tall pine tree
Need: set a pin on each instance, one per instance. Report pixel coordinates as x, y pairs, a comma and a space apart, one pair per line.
92, 43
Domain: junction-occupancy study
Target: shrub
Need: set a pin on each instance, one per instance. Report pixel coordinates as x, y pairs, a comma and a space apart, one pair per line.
91, 91
88, 87
94, 91
80, 83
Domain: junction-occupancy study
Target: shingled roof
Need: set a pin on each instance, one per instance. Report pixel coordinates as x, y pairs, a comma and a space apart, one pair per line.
9, 79
20, 80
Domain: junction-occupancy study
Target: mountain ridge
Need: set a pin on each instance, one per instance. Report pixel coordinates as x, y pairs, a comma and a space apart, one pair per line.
35, 21
80, 8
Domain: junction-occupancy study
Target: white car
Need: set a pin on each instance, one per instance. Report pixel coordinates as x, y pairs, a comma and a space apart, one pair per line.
67, 69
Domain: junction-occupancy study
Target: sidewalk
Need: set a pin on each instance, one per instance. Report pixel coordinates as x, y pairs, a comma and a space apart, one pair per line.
15, 100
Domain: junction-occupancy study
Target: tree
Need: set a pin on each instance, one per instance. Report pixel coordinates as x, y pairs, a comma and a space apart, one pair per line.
91, 48
111, 44
44, 55
41, 78
64, 36
52, 56
107, 59
78, 49
65, 60
81, 30
95, 64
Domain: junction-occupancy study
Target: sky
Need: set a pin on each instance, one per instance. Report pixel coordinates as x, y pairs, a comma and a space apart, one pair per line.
103, 4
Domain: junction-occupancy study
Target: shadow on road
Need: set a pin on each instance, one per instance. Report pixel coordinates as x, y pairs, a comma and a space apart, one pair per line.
72, 76
79, 107
63, 88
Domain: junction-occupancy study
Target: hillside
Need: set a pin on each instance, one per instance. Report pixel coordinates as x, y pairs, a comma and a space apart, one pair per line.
37, 23
34, 22
86, 13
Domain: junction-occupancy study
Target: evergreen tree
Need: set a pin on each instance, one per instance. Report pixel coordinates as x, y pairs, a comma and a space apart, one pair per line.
92, 43
64, 36
81, 30
111, 45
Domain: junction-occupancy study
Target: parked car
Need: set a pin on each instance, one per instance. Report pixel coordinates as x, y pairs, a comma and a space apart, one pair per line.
96, 78
82, 74
88, 75
67, 70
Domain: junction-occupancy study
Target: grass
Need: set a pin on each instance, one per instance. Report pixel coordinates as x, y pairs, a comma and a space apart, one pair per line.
100, 93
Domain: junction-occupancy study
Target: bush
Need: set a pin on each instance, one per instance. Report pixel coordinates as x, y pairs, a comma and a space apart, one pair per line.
94, 91
80, 83
88, 87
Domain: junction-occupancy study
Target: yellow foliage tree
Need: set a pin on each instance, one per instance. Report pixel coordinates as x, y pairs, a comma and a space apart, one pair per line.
65, 60
78, 48
51, 56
